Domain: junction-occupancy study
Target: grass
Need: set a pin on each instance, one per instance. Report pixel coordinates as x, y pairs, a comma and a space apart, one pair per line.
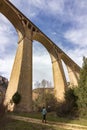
9, 124
52, 117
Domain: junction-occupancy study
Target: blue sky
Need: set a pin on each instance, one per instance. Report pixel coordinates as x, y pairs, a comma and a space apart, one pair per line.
63, 21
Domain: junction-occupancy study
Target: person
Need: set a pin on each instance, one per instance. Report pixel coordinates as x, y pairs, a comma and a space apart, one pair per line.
44, 112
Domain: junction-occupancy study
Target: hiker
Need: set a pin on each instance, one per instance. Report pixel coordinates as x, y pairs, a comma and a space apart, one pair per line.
44, 112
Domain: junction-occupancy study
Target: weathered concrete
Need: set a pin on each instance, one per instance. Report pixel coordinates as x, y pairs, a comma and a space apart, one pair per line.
59, 78
21, 76
72, 76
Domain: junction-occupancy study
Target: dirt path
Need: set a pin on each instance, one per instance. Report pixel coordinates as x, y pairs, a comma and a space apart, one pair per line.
50, 123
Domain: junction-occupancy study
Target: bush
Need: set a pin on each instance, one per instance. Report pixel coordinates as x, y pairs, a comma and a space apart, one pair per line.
2, 110
82, 90
68, 107
16, 98
49, 101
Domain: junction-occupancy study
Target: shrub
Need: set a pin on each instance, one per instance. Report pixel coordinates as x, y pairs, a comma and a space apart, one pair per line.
68, 107
82, 90
49, 101
16, 98
2, 110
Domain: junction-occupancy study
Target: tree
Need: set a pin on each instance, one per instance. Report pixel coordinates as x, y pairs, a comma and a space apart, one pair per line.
16, 98
43, 83
82, 89
69, 107
49, 101
37, 84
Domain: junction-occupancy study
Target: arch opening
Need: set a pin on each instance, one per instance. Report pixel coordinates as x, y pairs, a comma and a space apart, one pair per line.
66, 73
8, 46
42, 68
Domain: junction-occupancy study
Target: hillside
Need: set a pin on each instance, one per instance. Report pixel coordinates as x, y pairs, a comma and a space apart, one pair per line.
3, 87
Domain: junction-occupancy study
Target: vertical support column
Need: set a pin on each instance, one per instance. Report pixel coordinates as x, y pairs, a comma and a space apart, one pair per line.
77, 75
21, 76
25, 81
73, 75
59, 78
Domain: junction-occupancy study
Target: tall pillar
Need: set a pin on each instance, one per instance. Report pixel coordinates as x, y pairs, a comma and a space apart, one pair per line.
59, 78
21, 76
73, 75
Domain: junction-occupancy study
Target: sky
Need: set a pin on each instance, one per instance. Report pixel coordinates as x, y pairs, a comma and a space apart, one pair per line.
63, 21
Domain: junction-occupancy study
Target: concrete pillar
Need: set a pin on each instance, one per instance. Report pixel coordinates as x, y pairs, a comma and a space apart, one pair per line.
21, 76
59, 78
77, 75
73, 75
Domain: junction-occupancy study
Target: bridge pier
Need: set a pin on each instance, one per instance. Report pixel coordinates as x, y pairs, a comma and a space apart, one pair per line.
21, 76
59, 78
73, 75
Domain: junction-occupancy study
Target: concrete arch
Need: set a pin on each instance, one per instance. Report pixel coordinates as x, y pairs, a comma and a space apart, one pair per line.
21, 76
58, 72
73, 71
7, 9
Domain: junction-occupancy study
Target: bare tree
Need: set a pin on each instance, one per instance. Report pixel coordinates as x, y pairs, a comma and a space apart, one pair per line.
44, 83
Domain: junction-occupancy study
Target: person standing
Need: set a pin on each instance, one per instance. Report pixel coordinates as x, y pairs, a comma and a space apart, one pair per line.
44, 113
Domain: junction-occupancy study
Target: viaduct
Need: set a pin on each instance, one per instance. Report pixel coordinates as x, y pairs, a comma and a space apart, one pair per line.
21, 75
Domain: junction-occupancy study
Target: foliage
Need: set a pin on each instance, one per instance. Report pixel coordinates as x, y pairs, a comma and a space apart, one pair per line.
69, 106
2, 109
76, 99
3, 82
45, 99
43, 96
16, 98
82, 90
50, 102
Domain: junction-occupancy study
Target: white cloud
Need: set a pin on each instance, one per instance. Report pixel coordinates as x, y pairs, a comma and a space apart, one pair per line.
56, 6
77, 54
4, 30
18, 3
33, 7
42, 66
77, 33
7, 33
6, 66
77, 36
26, 7
8, 43
48, 6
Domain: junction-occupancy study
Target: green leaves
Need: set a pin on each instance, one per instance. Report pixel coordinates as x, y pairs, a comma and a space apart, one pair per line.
82, 89
16, 98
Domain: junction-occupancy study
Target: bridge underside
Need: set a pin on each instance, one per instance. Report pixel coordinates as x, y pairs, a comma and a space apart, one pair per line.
21, 76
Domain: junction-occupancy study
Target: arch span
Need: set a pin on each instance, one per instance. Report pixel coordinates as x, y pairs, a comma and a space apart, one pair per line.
42, 67
58, 72
21, 76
